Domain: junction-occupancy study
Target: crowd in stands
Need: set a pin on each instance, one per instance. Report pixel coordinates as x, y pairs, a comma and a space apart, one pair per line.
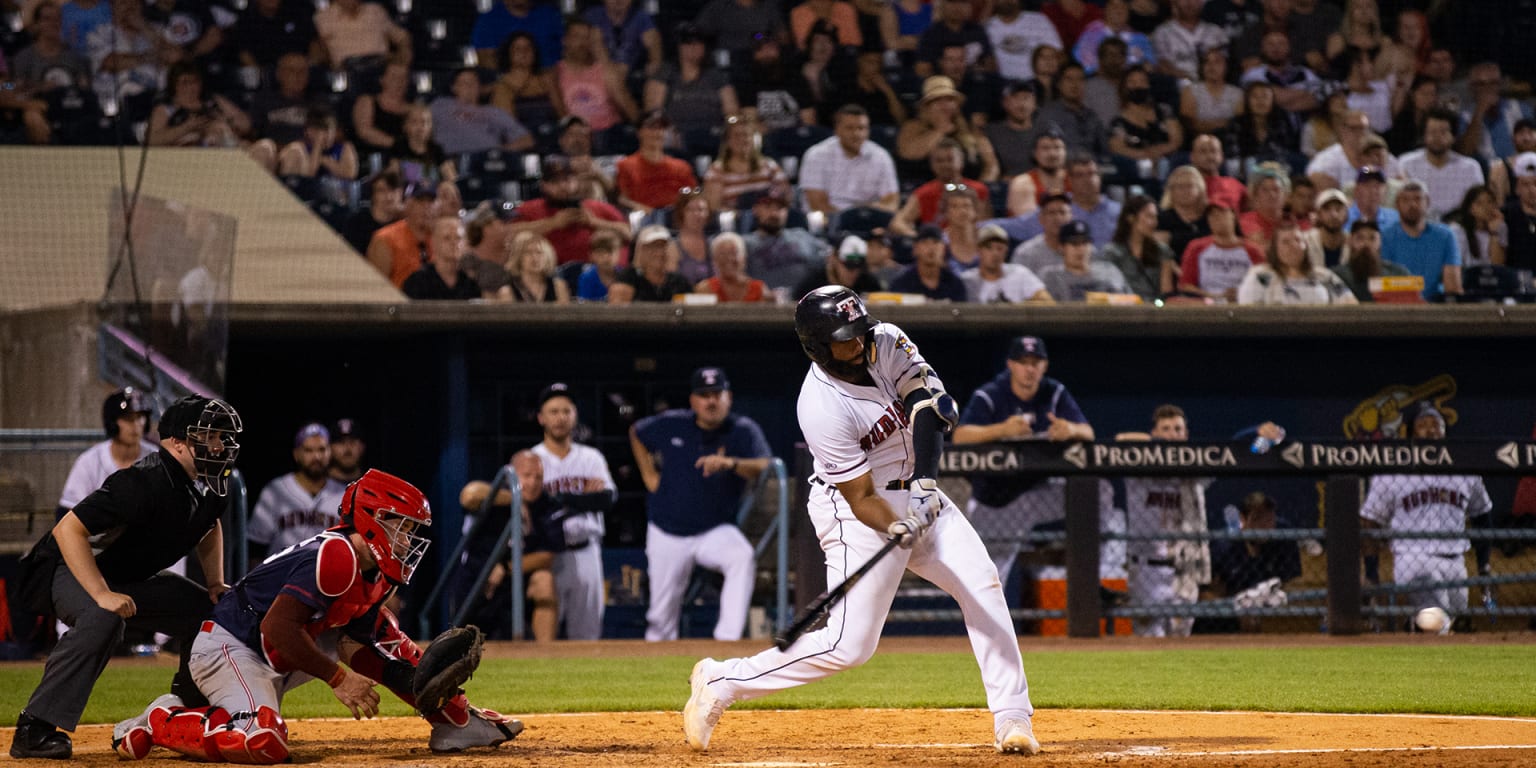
1248, 151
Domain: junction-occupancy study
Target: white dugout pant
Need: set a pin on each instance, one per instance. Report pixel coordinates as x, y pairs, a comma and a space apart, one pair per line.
949, 554
669, 566
237, 678
1410, 567
1004, 529
1162, 585
579, 591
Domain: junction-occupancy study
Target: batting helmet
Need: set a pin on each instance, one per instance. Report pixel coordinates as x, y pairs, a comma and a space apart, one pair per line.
831, 313
119, 404
387, 511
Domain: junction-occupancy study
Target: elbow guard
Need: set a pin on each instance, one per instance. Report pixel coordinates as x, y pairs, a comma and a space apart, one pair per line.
941, 404
925, 391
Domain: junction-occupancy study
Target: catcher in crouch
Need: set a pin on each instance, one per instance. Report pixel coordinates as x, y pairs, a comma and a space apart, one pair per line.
293, 617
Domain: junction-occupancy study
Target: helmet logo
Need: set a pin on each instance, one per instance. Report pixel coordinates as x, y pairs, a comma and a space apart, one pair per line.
851, 308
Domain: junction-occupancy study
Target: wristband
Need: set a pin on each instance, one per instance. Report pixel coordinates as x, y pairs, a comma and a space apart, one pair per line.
341, 674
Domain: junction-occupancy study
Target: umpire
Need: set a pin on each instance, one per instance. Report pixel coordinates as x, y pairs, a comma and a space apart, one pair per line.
101, 568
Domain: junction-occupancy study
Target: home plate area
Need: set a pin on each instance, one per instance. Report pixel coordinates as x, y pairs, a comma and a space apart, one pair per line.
891, 737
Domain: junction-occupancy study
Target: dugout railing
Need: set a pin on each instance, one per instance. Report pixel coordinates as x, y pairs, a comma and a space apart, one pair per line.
1331, 589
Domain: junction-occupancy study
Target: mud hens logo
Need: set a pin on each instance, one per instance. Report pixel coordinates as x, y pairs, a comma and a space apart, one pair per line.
850, 308
1382, 416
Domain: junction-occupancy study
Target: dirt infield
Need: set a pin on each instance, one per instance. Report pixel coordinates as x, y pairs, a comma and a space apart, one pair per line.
888, 737
959, 738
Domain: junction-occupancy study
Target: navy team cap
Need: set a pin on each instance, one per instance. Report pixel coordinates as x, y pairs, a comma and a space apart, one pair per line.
710, 379
1027, 346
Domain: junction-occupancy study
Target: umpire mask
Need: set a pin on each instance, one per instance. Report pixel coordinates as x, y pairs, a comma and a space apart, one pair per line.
209, 427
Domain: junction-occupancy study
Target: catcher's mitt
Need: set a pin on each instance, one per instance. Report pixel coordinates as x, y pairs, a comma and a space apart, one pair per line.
446, 665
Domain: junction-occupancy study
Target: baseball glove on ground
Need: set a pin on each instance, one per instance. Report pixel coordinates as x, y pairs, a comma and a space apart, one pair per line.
445, 666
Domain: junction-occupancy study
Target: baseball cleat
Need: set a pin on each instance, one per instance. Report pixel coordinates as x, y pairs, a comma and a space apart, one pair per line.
483, 728
132, 739
703, 709
1017, 738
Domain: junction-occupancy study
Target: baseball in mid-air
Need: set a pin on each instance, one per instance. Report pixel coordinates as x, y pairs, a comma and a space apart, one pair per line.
1432, 619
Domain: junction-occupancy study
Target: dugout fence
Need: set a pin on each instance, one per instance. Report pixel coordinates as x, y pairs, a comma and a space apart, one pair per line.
1310, 536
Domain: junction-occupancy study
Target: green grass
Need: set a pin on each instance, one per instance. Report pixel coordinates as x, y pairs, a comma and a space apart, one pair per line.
1460, 679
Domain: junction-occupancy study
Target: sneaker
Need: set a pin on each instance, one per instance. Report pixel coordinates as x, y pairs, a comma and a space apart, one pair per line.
38, 739
703, 709
1017, 738
483, 728
132, 738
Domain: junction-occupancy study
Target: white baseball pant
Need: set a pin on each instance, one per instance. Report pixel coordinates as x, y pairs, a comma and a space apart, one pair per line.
669, 566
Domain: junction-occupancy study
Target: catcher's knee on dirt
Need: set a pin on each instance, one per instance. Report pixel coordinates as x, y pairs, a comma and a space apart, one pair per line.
253, 738
215, 735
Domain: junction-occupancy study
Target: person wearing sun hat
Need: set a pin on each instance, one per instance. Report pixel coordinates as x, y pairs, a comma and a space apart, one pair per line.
939, 116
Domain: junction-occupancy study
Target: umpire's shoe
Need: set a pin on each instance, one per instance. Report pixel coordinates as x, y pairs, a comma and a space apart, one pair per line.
39, 739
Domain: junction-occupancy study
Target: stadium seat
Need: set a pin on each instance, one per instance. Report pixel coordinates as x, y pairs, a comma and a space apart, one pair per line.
793, 142
885, 136
857, 221
484, 175
1493, 283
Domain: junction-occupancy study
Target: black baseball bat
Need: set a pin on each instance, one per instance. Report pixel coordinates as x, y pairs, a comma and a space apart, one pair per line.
826, 600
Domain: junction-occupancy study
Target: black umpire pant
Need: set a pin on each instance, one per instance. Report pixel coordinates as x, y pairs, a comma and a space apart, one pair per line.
167, 602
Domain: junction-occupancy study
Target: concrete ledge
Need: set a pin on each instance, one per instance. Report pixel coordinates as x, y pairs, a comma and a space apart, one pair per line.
1370, 321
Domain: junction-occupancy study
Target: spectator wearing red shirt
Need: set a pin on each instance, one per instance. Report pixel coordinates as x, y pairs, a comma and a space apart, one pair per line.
1071, 17
650, 178
1215, 265
946, 160
563, 217
1207, 156
1269, 185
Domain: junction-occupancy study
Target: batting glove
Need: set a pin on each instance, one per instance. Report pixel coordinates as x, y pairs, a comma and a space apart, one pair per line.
905, 532
923, 502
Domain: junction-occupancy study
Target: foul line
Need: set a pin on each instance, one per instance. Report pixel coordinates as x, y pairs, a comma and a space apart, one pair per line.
1159, 712
1163, 751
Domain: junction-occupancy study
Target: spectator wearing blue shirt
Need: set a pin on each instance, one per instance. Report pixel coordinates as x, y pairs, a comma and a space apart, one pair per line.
929, 274
601, 270
1425, 247
1370, 194
695, 463
77, 18
493, 27
629, 32
1021, 403
1089, 205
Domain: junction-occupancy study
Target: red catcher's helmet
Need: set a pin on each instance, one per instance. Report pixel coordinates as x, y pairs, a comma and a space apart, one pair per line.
388, 511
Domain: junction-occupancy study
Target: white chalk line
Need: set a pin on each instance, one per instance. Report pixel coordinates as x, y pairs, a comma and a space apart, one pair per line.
1040, 713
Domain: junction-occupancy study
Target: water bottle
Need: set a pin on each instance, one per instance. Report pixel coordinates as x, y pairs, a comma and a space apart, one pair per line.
1233, 517
1262, 444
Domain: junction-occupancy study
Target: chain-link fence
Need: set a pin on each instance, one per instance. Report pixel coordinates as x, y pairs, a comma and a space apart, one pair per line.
34, 464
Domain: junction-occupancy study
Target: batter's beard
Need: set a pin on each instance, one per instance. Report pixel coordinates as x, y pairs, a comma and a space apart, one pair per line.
851, 372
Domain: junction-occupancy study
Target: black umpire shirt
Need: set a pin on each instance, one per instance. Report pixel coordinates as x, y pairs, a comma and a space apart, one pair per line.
145, 518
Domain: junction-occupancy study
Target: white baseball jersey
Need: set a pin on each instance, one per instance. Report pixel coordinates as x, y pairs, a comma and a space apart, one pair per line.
91, 468
852, 429
570, 475
578, 572
1426, 503
287, 514
1177, 505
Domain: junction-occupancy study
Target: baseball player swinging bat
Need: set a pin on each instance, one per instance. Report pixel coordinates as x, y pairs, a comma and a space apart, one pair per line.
824, 602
